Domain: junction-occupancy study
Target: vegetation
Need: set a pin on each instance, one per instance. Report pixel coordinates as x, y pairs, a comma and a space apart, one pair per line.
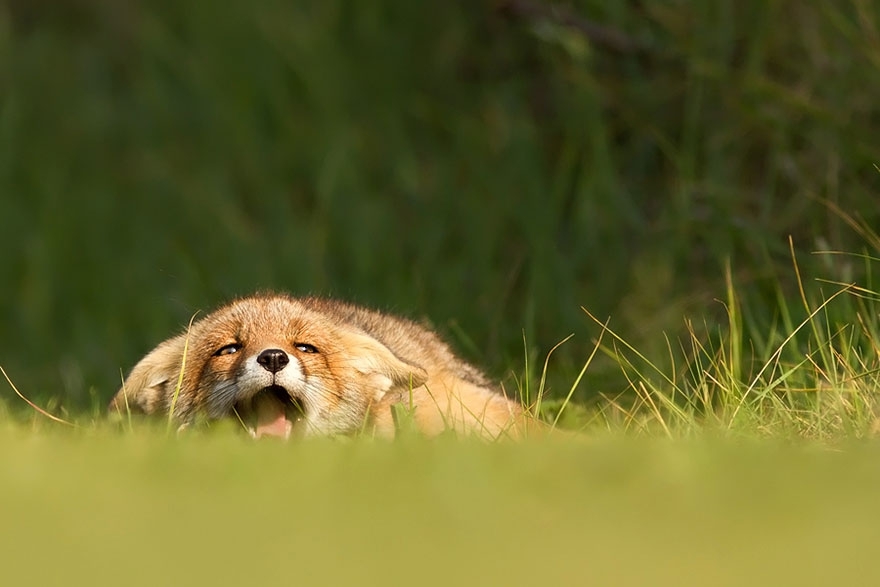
103, 507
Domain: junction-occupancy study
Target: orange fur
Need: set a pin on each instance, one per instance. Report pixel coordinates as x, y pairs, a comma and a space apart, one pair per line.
312, 366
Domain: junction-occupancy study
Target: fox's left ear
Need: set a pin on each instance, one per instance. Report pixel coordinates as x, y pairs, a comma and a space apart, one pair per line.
151, 382
383, 369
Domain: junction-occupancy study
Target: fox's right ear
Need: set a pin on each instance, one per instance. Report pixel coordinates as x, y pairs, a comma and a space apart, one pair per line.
148, 387
380, 368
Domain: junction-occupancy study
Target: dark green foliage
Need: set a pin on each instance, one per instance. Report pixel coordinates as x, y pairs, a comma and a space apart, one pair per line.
474, 162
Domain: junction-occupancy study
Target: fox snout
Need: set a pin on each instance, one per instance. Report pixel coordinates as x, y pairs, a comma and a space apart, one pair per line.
273, 360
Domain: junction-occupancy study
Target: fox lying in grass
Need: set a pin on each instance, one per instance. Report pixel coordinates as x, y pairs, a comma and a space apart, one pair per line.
308, 366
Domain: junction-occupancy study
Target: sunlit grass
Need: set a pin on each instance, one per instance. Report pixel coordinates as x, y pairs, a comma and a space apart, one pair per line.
817, 378
105, 506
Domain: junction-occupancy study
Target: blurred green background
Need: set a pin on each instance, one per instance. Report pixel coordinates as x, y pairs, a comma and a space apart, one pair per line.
491, 165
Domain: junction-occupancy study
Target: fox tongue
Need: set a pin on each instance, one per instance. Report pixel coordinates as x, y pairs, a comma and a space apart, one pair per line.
271, 417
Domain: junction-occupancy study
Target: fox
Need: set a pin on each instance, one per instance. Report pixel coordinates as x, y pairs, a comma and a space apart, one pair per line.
288, 367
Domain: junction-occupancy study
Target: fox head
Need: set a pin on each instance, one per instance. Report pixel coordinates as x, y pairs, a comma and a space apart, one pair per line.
274, 363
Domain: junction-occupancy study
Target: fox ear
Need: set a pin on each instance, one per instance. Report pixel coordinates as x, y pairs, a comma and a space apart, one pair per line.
149, 385
382, 369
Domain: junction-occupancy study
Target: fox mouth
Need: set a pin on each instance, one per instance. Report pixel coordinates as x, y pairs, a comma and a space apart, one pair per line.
272, 411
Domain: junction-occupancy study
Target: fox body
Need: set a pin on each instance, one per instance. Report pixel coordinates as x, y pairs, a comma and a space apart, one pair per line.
310, 366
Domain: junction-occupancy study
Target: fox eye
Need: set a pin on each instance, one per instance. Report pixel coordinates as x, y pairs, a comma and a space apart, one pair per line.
305, 347
228, 349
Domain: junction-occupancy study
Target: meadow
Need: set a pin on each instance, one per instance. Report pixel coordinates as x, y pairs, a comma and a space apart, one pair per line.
100, 508
656, 223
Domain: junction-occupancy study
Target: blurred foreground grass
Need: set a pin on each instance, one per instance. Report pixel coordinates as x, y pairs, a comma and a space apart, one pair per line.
98, 507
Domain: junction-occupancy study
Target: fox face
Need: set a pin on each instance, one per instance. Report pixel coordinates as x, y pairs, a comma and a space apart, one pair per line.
279, 365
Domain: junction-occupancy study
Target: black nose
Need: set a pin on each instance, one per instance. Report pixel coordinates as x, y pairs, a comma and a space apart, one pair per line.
273, 360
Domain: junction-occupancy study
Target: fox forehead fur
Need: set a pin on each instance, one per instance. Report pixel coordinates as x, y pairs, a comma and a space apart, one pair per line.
310, 366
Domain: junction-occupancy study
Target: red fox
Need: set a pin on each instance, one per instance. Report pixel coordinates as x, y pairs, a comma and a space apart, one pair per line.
309, 366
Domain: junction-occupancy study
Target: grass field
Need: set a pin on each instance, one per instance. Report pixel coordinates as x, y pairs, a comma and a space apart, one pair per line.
103, 508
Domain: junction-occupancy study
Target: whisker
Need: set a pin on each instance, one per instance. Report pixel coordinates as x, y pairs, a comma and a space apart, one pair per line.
222, 398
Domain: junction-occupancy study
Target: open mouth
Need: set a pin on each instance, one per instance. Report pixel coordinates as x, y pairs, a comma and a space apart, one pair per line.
271, 412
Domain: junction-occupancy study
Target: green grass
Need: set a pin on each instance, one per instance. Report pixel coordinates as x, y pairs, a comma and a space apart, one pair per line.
103, 507
814, 373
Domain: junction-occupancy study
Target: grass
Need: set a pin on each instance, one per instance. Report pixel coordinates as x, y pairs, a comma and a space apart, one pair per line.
813, 377
103, 507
